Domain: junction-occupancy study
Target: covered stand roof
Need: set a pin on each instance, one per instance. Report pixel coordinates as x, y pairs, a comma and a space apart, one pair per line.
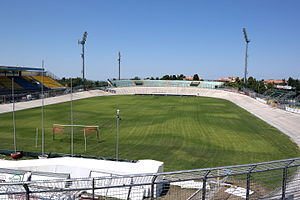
19, 68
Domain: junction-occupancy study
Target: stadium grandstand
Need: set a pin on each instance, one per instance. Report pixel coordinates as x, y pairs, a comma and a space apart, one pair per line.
165, 83
280, 96
27, 81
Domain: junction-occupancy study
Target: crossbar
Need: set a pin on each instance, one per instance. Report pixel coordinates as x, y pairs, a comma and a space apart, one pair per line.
85, 126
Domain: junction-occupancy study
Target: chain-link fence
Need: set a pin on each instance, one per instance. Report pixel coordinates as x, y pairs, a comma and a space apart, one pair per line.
29, 96
269, 180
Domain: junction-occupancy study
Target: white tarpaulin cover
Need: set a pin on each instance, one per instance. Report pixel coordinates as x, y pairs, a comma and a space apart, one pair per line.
81, 167
69, 167
190, 184
238, 191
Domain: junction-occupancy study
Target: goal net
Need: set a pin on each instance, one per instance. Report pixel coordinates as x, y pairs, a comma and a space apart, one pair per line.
75, 129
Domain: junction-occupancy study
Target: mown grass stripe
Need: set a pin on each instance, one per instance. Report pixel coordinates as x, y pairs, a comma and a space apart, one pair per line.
183, 132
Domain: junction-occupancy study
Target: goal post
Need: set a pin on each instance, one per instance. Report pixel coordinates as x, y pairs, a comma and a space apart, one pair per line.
87, 129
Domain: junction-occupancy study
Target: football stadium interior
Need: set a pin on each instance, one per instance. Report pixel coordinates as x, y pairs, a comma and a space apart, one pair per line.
165, 126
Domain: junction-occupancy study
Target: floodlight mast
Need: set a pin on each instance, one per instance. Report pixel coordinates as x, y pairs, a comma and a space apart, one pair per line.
72, 119
119, 61
246, 55
43, 128
14, 119
82, 42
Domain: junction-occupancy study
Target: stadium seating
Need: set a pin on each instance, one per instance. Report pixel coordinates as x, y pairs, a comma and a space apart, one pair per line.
6, 83
28, 78
165, 83
48, 82
27, 85
279, 95
123, 83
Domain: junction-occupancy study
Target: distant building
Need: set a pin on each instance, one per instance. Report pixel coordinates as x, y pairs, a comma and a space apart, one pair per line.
188, 78
280, 84
227, 80
275, 82
285, 87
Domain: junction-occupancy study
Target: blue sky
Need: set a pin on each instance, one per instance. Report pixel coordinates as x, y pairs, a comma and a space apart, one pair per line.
155, 37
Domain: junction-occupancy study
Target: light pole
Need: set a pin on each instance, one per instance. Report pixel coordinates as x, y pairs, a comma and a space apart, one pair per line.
72, 128
117, 136
246, 55
119, 61
14, 120
82, 42
43, 129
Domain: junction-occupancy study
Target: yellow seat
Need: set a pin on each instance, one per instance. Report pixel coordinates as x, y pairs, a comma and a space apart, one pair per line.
47, 81
27, 78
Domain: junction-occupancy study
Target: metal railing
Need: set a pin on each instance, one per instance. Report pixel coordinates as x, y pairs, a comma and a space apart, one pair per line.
268, 180
52, 75
33, 95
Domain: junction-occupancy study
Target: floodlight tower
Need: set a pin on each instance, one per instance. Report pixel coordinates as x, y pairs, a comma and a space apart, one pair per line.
246, 54
82, 42
43, 128
119, 61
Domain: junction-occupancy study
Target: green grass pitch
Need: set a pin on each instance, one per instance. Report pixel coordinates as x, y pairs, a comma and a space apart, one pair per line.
183, 132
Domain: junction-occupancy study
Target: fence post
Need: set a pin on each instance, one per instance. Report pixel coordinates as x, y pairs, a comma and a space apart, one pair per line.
27, 191
248, 182
152, 187
93, 188
248, 186
130, 187
284, 176
204, 185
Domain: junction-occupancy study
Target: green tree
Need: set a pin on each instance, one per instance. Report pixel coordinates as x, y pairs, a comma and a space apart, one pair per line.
291, 81
251, 81
196, 77
136, 78
165, 77
261, 87
270, 86
180, 77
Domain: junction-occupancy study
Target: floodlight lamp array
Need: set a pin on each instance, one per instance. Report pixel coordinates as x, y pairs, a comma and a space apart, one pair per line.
245, 35
83, 38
